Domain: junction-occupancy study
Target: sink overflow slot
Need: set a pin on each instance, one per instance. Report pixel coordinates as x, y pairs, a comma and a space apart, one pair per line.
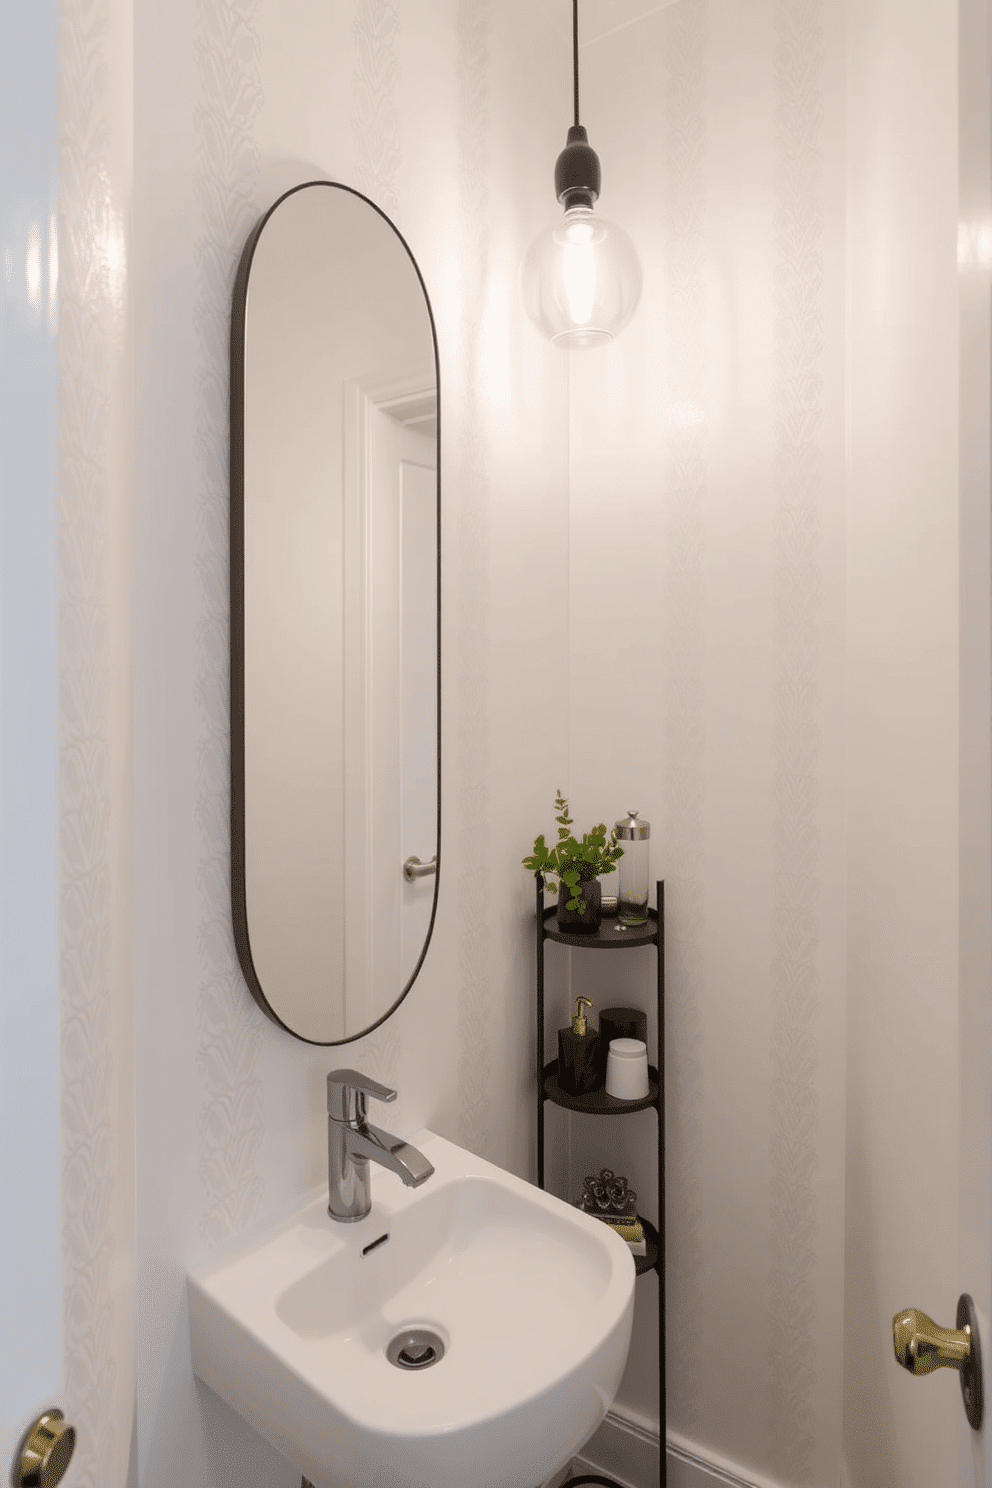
415, 1348
374, 1244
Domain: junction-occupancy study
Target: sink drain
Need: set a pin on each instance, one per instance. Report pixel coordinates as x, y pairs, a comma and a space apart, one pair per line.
415, 1348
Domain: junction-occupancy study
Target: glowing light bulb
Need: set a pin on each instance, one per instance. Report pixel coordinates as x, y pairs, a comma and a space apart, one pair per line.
581, 280
578, 271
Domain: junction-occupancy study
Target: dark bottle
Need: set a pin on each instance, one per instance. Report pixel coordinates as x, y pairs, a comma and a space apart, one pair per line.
579, 1069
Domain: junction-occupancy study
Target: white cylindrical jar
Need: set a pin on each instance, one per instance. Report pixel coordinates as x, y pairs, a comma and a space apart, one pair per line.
627, 1069
634, 837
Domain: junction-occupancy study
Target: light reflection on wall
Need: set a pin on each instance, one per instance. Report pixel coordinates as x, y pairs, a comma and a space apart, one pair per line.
40, 268
32, 266
688, 416
974, 244
112, 243
53, 274
494, 367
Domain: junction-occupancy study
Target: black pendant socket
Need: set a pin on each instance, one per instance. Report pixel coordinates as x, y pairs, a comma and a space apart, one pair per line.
577, 173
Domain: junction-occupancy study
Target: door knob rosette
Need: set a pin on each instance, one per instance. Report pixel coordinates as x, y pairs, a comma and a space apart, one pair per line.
45, 1452
921, 1346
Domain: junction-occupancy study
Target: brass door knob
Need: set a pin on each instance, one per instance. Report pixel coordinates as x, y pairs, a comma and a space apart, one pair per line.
921, 1346
46, 1451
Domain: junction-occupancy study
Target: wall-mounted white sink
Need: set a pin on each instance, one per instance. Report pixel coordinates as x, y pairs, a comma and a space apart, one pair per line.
532, 1303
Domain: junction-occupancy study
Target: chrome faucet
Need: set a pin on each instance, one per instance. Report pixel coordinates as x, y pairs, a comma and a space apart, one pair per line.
352, 1141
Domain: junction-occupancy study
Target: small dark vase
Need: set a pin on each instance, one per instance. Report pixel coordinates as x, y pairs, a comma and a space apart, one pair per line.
570, 921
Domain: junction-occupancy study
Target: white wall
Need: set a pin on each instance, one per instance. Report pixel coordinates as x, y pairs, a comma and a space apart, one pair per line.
766, 601
437, 112
780, 474
708, 505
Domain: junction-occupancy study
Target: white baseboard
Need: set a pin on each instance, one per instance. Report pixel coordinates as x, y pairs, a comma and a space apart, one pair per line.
627, 1451
624, 1449
691, 1466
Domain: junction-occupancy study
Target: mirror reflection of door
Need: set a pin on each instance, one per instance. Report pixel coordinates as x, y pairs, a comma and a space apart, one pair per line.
390, 686
402, 686
418, 750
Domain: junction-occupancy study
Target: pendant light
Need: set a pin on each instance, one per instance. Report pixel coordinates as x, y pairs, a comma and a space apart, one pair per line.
581, 279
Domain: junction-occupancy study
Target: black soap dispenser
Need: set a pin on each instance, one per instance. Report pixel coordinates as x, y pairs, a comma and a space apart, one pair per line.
578, 1054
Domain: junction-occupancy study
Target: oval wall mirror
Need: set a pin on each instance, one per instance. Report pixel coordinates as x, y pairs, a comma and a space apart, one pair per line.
335, 584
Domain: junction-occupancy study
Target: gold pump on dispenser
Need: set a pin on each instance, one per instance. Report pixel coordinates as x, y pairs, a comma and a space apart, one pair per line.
578, 1053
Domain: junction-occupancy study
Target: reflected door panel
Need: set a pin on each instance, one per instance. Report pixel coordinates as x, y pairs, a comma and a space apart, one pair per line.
418, 784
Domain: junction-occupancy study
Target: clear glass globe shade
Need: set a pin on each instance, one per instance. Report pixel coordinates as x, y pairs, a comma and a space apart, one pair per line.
581, 280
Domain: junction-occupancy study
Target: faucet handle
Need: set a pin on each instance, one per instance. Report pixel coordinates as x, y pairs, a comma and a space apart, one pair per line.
347, 1094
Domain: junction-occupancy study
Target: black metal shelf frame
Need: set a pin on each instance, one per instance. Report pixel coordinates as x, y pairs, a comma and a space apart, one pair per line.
612, 937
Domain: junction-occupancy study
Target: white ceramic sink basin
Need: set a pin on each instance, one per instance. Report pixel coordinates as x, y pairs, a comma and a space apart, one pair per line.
531, 1300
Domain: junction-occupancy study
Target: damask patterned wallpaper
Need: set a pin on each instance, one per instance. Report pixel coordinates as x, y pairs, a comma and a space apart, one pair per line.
432, 111
689, 472
95, 736
225, 175
705, 496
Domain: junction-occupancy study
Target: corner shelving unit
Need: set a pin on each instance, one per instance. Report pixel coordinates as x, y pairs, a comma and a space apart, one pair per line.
613, 937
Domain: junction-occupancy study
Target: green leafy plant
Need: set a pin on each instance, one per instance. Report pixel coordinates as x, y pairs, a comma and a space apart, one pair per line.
573, 862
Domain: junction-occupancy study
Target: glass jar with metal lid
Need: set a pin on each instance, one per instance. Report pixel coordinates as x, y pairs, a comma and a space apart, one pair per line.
634, 837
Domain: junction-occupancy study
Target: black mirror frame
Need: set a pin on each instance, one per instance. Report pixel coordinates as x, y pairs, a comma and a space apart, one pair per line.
239, 907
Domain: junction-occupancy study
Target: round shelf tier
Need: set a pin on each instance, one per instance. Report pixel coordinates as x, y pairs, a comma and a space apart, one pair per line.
611, 935
597, 1102
650, 1261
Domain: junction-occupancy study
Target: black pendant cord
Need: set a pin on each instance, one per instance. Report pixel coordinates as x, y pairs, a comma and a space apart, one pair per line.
577, 174
575, 55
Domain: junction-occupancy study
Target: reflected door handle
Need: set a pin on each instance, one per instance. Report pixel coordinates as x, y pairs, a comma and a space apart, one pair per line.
921, 1346
413, 868
45, 1452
